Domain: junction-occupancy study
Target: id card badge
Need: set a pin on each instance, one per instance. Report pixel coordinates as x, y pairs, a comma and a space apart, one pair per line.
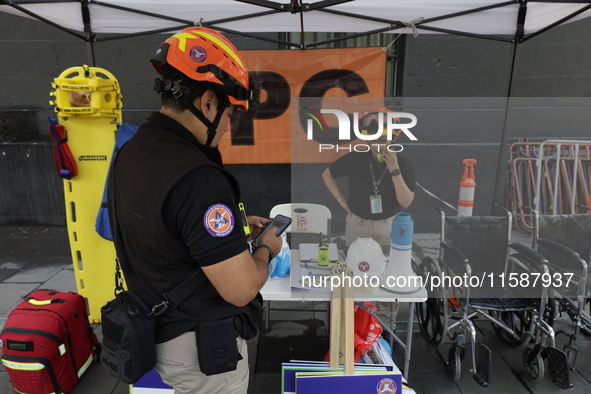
375, 203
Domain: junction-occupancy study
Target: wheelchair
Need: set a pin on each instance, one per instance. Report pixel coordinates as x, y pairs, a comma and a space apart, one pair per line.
565, 240
478, 249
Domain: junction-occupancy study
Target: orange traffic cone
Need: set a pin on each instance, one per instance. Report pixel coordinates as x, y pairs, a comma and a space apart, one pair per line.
467, 185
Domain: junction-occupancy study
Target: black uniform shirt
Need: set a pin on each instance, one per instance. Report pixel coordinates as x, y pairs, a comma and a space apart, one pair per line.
177, 209
202, 210
355, 165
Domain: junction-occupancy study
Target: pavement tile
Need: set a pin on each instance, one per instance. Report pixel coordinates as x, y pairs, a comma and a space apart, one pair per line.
12, 295
10, 265
35, 273
424, 357
64, 280
434, 383
5, 384
7, 273
266, 383
32, 258
502, 377
513, 359
98, 381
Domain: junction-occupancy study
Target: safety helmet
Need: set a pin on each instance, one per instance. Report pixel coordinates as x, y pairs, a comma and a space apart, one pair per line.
365, 257
370, 123
204, 55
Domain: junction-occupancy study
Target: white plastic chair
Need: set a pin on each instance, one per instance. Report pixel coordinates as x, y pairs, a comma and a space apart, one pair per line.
306, 219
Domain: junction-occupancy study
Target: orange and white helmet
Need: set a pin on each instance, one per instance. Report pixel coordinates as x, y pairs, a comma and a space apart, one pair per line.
206, 56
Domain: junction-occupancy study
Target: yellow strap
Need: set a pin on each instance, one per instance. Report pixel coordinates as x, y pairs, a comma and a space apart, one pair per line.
222, 45
39, 303
23, 366
85, 366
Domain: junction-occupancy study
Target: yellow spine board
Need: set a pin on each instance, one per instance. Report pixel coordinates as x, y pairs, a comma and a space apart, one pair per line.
91, 131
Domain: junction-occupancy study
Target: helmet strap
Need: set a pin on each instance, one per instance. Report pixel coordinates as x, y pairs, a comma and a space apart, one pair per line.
211, 126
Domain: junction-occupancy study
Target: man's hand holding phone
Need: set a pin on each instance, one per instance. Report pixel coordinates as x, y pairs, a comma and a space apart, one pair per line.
269, 242
256, 224
270, 238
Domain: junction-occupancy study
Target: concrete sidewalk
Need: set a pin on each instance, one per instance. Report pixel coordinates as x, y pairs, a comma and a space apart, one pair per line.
39, 258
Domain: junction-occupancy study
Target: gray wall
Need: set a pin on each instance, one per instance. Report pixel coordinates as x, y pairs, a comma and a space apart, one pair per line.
554, 64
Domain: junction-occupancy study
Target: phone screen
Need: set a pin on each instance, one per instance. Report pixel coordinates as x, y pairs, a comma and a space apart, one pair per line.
280, 221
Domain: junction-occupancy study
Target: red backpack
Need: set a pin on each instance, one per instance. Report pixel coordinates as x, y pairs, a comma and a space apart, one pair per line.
47, 343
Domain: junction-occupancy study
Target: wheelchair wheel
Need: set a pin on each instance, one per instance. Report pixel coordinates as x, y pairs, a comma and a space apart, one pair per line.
519, 322
533, 368
433, 313
454, 362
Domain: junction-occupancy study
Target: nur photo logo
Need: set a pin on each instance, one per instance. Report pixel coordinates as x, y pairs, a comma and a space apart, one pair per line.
367, 127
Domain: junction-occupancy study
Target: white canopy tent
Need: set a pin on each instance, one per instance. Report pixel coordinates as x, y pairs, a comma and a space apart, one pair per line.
510, 21
489, 19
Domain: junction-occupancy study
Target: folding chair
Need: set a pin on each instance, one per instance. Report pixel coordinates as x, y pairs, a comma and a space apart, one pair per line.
306, 218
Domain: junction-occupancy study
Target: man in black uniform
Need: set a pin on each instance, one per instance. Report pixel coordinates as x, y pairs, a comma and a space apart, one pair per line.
381, 184
177, 209
378, 189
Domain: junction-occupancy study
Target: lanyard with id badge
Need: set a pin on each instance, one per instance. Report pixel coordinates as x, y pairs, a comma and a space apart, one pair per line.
375, 201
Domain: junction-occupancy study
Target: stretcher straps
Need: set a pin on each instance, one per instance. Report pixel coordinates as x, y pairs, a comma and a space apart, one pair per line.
65, 164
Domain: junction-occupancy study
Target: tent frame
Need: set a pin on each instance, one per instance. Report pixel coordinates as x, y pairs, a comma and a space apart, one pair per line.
297, 6
293, 7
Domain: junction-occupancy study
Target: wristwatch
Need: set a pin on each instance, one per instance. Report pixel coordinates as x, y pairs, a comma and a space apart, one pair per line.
395, 172
271, 254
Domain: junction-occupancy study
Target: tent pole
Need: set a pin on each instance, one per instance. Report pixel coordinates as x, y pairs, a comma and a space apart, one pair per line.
497, 201
90, 50
88, 33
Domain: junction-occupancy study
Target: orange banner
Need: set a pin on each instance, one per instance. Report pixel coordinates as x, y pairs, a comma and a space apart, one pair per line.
266, 136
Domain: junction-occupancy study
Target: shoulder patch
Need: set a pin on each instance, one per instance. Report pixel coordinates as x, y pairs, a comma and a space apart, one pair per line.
219, 220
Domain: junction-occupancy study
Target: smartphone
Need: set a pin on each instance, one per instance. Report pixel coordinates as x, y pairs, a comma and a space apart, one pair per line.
280, 221
380, 157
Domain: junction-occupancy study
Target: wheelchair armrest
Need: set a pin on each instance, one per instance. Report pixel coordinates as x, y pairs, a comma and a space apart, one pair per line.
529, 253
559, 248
455, 252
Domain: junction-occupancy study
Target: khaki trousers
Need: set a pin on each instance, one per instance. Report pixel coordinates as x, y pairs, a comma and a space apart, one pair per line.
178, 365
379, 230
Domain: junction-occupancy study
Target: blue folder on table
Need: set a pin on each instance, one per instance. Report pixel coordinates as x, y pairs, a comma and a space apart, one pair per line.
362, 382
289, 371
